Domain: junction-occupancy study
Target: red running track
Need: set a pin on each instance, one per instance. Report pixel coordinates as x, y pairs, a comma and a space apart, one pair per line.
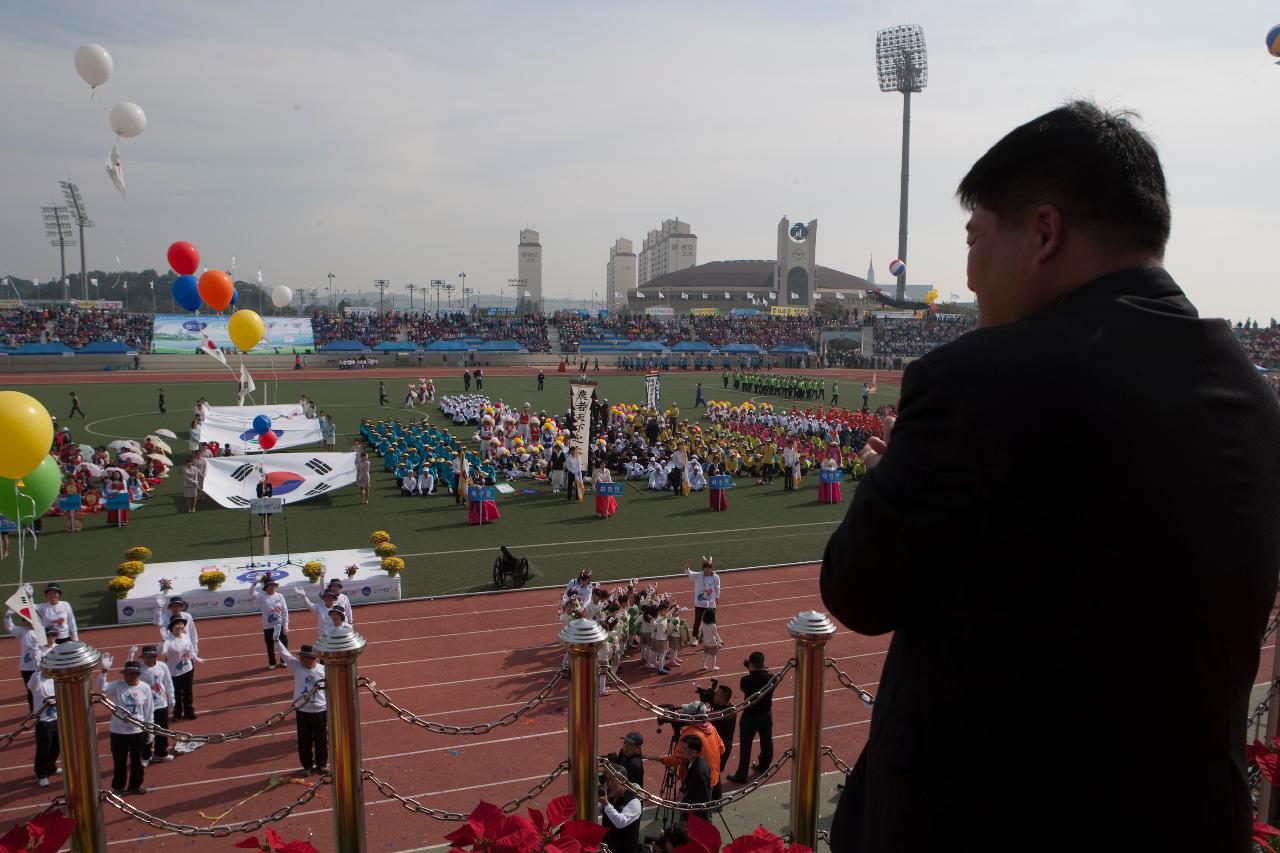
460, 661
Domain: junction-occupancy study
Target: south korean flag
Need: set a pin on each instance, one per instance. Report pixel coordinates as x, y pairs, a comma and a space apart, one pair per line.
233, 481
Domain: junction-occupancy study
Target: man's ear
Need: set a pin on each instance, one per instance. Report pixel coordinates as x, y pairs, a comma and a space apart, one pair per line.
1047, 233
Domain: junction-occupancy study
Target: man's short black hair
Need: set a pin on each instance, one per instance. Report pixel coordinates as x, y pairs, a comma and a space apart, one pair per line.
693, 742
1094, 165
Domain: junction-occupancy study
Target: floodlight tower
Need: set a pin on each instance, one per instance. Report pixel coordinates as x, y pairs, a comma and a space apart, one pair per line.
902, 66
57, 226
75, 204
412, 288
381, 284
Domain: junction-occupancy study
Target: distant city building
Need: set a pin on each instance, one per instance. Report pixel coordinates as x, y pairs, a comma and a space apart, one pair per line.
620, 273
668, 249
871, 270
529, 268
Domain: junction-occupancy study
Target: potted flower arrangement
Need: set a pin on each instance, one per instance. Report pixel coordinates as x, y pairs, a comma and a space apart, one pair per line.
212, 579
385, 549
130, 569
166, 585
380, 536
352, 571
120, 585
141, 553
392, 565
314, 570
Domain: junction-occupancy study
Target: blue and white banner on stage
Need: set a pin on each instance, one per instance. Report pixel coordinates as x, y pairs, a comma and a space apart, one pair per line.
232, 480
369, 584
233, 425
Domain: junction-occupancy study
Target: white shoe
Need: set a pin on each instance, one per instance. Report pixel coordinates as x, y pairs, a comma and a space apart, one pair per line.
43, 782
168, 757
146, 762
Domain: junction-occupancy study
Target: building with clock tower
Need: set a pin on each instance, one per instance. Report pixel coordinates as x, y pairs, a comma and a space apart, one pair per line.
795, 276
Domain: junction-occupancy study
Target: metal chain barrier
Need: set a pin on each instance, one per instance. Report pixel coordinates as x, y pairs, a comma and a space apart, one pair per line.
711, 716
654, 799
1271, 627
217, 737
1260, 710
844, 678
823, 835
24, 724
840, 765
215, 831
388, 790
480, 728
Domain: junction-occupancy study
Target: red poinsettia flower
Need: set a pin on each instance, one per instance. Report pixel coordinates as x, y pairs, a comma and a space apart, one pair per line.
1263, 833
1267, 759
763, 841
703, 836
584, 834
43, 834
489, 829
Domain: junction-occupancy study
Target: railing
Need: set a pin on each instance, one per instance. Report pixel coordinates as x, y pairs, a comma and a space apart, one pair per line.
72, 666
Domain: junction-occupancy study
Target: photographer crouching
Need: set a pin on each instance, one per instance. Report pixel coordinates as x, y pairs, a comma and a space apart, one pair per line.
620, 814
695, 756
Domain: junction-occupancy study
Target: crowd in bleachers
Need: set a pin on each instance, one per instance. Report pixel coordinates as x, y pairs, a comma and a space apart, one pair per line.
1261, 343
530, 330
765, 330
75, 327
23, 326
910, 337
368, 329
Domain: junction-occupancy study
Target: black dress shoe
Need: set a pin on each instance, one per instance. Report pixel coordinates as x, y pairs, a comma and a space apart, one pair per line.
737, 780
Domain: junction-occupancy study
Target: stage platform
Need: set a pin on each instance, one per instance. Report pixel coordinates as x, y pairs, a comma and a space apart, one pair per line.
370, 583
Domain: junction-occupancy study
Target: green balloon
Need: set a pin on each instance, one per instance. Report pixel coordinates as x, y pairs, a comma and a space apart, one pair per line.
41, 485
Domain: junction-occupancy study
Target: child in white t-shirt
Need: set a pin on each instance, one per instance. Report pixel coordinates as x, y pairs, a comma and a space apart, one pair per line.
709, 636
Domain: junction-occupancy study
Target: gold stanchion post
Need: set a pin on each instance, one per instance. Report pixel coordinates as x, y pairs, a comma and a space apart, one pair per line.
583, 638
72, 667
339, 648
811, 631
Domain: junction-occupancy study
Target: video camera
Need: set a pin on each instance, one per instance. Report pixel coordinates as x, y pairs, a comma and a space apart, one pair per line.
706, 694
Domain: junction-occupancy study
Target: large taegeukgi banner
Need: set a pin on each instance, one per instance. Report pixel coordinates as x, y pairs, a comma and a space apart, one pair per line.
232, 480
180, 333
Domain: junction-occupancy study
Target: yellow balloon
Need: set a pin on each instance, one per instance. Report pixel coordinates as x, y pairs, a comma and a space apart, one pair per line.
245, 328
27, 432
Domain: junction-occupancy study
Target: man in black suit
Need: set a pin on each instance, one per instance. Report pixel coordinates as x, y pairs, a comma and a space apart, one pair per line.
697, 776
1073, 646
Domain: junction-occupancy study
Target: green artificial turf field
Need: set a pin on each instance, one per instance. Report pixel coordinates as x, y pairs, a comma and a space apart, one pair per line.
653, 533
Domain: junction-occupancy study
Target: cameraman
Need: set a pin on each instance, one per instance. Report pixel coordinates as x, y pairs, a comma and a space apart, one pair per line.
630, 759
697, 773
620, 814
756, 720
722, 698
711, 749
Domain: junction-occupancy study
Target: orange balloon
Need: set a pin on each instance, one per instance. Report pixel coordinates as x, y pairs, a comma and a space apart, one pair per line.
216, 289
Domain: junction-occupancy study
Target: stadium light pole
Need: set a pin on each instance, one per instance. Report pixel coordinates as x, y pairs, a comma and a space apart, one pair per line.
448, 287
411, 288
331, 290
436, 284
902, 65
463, 286
517, 283
75, 204
381, 284
57, 226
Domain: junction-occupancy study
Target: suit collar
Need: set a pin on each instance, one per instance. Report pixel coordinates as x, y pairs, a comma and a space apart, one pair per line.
1149, 284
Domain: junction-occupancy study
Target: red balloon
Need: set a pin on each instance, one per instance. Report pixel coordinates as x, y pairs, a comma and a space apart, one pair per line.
184, 258
216, 289
267, 440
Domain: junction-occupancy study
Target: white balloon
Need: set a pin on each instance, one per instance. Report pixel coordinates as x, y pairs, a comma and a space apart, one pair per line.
127, 119
93, 64
281, 296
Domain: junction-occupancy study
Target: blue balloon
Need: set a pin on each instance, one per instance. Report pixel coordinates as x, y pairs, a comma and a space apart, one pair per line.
262, 424
235, 294
185, 292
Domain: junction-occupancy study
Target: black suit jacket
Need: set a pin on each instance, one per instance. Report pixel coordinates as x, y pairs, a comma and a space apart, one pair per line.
1074, 537
697, 782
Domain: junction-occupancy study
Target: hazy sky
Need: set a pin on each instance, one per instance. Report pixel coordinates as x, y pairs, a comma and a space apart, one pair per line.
413, 140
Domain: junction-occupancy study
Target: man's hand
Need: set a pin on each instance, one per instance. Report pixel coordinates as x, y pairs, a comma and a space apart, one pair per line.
877, 445
107, 660
133, 652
